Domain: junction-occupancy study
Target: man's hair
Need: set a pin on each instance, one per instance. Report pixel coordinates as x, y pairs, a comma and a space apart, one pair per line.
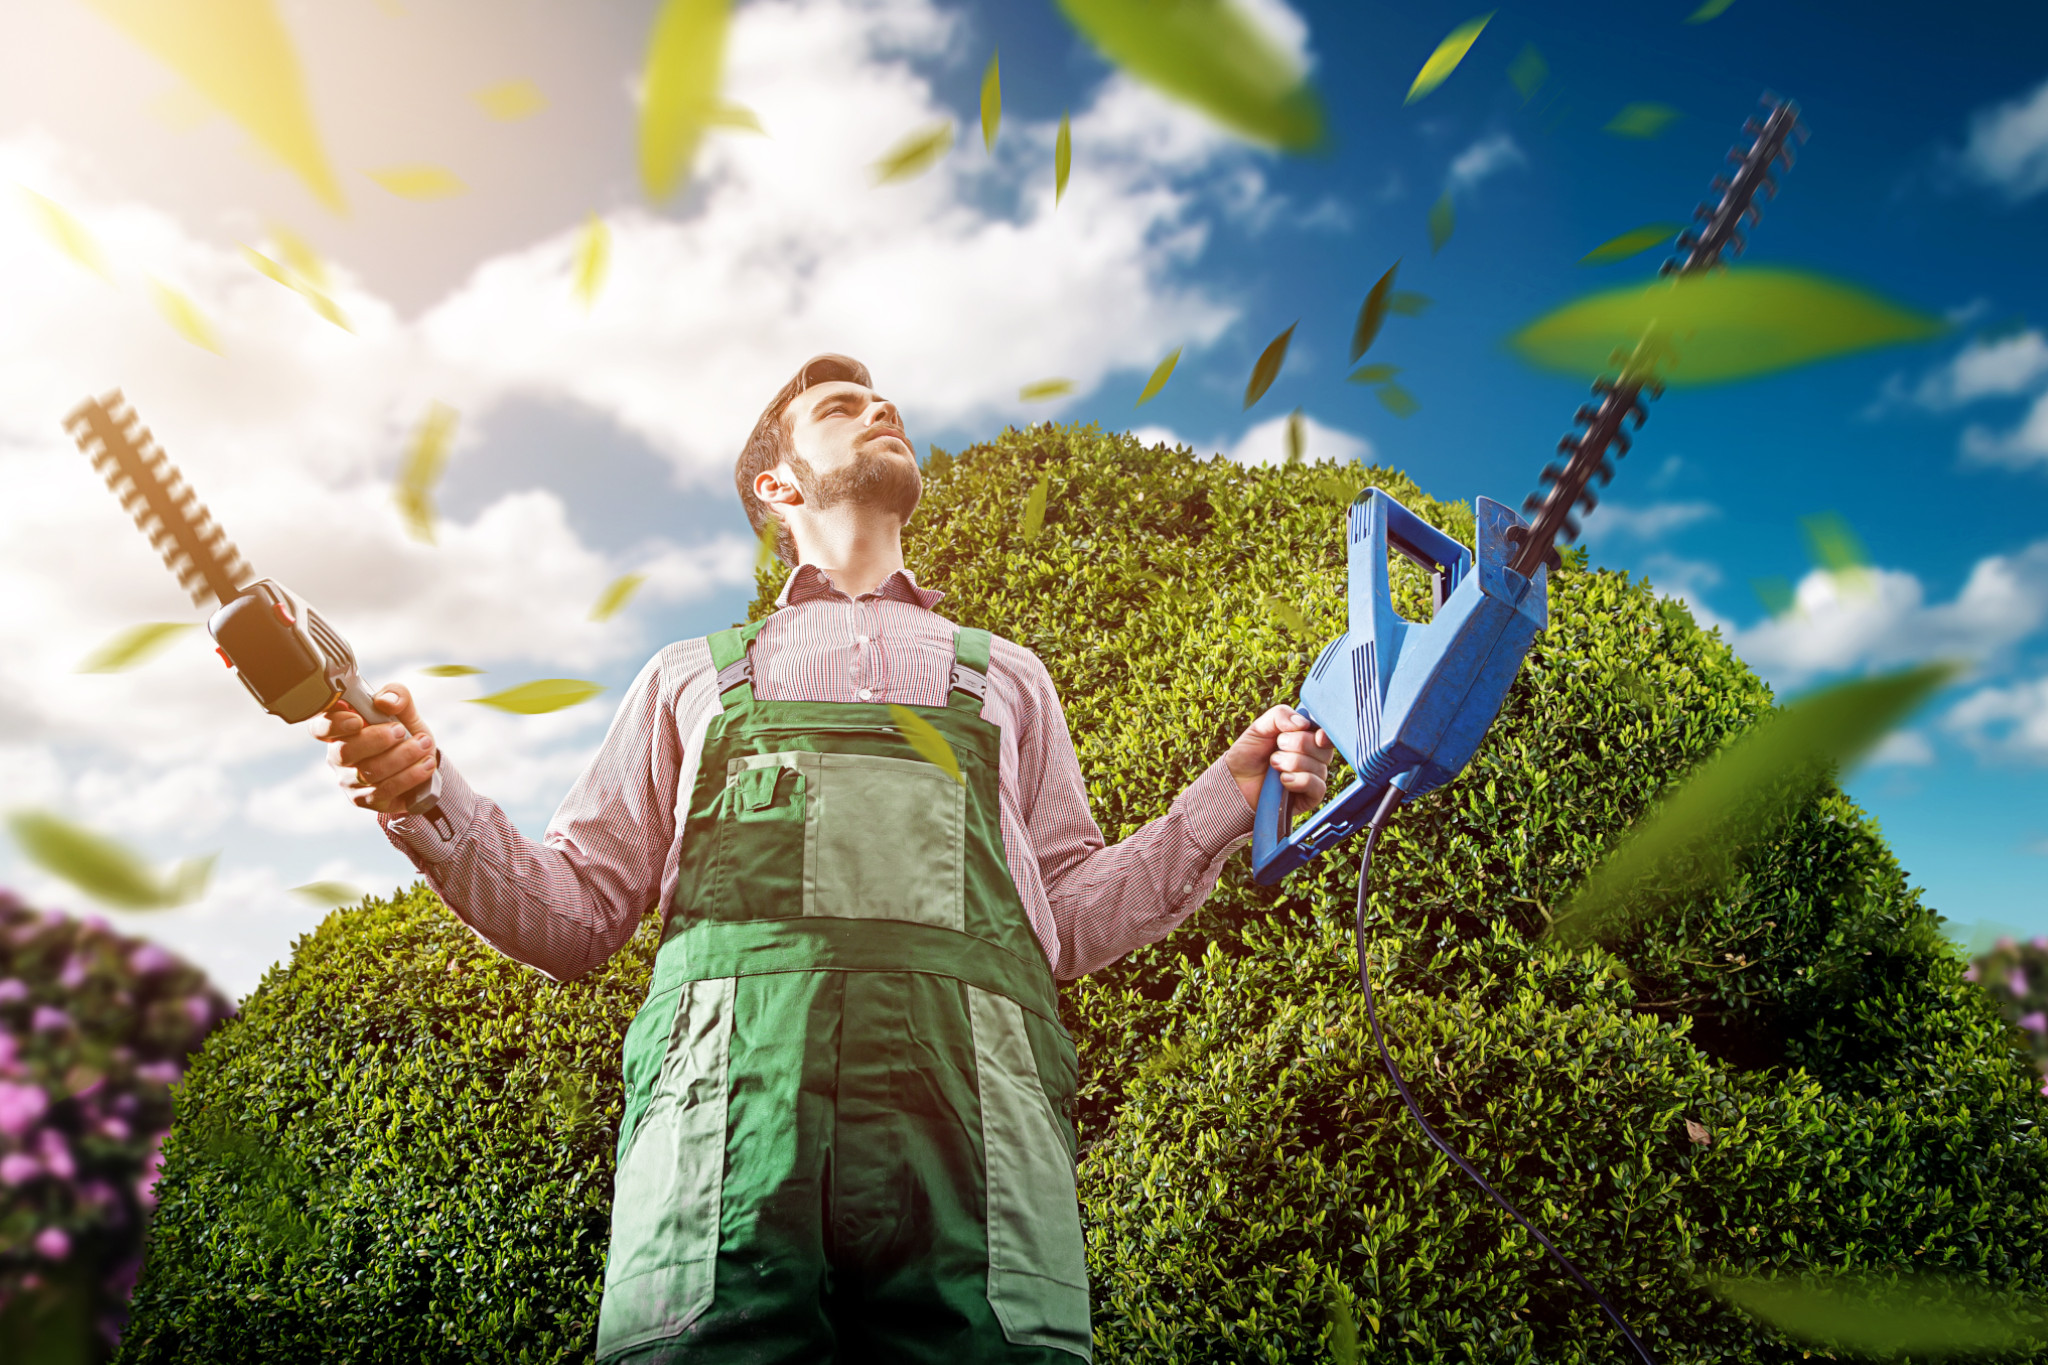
771, 441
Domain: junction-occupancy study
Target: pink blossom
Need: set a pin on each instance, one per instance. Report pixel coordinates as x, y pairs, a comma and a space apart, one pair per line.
96, 923
56, 1154
2018, 981
13, 990
2037, 1021
20, 1107
48, 1019
2041, 942
162, 1073
1970, 972
18, 1168
114, 1127
200, 1009
95, 1194
10, 1048
149, 959
74, 972
54, 1243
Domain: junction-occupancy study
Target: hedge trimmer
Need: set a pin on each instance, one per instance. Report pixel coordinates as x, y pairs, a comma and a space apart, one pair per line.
1406, 702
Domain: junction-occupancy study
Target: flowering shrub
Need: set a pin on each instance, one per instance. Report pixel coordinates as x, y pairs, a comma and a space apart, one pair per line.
94, 1028
2016, 977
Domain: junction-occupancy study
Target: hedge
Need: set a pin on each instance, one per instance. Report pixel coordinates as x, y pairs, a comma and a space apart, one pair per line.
401, 1151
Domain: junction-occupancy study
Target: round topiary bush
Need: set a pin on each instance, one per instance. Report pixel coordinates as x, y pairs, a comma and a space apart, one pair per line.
402, 1150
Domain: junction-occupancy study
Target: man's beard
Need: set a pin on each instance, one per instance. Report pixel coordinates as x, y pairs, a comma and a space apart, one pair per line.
873, 480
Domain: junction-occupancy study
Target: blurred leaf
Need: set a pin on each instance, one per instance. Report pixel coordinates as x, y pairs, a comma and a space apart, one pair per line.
511, 100
541, 695
685, 59
326, 308
1297, 437
1528, 71
1398, 400
319, 302
419, 181
991, 103
1721, 325
1372, 374
1640, 120
593, 258
1833, 545
1634, 242
1711, 10
300, 257
1442, 219
1160, 374
764, 543
184, 316
915, 154
1062, 160
50, 1323
1372, 313
1283, 611
929, 743
1924, 1315
614, 597
736, 116
329, 893
451, 670
1445, 59
1268, 368
424, 460
1338, 486
237, 54
1687, 842
1044, 389
1408, 304
96, 865
1034, 507
65, 232
132, 646
1343, 1331
181, 108
1775, 593
1210, 54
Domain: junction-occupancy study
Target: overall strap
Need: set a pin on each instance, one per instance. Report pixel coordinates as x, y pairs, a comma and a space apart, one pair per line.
970, 670
732, 654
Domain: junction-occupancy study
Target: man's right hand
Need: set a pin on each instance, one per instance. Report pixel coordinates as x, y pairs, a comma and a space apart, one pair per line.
383, 757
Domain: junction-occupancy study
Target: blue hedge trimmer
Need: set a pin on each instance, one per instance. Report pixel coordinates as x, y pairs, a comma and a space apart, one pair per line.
1407, 702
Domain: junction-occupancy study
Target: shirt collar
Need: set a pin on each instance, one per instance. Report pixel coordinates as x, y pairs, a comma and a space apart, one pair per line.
810, 583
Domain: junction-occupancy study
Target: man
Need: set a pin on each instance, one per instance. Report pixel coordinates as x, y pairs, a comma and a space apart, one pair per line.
847, 1132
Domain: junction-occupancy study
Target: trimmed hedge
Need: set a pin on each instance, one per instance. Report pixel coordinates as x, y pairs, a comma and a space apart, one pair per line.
1790, 1072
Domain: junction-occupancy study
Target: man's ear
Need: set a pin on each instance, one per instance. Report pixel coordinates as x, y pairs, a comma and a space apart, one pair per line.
779, 486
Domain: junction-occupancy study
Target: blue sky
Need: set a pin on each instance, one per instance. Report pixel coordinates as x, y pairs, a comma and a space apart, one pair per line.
599, 442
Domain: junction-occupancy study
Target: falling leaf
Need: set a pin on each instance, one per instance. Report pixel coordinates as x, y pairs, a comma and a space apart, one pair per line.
1408, 303
1863, 1314
1372, 313
1212, 55
1338, 487
1160, 374
593, 258
1833, 544
1034, 507
764, 548
1297, 437
1720, 325
929, 743
1775, 593
1045, 388
991, 103
1284, 612
425, 458
1445, 59
1640, 120
1634, 242
328, 893
184, 316
299, 254
1711, 10
915, 154
1739, 794
685, 58
65, 232
1343, 1331
1696, 1133
1372, 374
1268, 368
102, 868
299, 285
1397, 400
181, 108
326, 308
1442, 218
133, 646
237, 54
419, 181
615, 597
1528, 71
451, 670
511, 100
1062, 160
541, 695
271, 268
735, 116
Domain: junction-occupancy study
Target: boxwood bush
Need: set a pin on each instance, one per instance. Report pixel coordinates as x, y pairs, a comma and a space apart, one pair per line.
401, 1150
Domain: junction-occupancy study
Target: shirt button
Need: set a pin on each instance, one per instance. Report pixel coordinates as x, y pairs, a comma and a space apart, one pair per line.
861, 639
1187, 888
866, 694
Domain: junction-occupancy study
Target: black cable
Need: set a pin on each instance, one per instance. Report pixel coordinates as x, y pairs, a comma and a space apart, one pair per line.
1372, 834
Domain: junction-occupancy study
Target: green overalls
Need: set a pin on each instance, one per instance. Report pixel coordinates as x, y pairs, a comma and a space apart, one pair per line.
847, 1132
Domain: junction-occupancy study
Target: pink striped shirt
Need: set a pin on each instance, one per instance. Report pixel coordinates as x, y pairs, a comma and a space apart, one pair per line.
567, 903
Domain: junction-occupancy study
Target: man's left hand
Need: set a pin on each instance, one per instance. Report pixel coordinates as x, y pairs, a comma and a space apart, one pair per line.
1283, 738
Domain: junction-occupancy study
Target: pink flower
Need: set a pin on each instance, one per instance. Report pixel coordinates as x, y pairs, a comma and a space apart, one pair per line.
200, 1009
2018, 981
162, 1073
56, 1154
2037, 1021
97, 923
18, 1168
13, 990
1970, 972
95, 1194
114, 1127
10, 1048
54, 1243
2041, 942
73, 975
48, 1019
20, 1107
150, 959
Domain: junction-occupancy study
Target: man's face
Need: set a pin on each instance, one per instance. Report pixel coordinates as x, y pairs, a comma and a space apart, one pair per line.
851, 447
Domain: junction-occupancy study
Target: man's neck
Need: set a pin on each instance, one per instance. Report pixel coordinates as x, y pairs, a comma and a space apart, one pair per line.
861, 564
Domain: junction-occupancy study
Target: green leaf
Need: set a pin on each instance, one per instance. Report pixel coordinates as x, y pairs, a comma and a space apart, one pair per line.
1372, 313
1407, 303
1297, 437
451, 670
991, 103
1445, 59
1775, 593
1720, 325
1397, 400
1640, 120
1062, 160
1372, 374
1711, 10
1212, 55
764, 543
593, 259
1283, 611
1442, 218
685, 58
1833, 545
133, 645
1634, 242
1268, 367
1343, 1330
735, 116
425, 458
1044, 389
1160, 374
917, 153
926, 739
100, 867
1528, 71
1034, 507
541, 695
329, 893
1858, 1313
616, 596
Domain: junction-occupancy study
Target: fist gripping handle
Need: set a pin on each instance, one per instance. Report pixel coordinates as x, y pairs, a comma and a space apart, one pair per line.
423, 800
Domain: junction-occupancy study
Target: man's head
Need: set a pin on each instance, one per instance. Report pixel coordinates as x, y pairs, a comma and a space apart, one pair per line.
826, 440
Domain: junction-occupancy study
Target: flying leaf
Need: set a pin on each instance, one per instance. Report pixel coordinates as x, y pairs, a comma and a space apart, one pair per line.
1212, 55
1634, 242
1268, 368
1160, 374
1528, 71
1372, 313
419, 181
326, 308
184, 316
328, 893
238, 55
65, 232
1775, 593
541, 695
270, 268
685, 59
1720, 325
929, 743
1862, 1314
1338, 487
1640, 120
425, 458
1442, 219
991, 103
1034, 507
1397, 400
1062, 160
1686, 844
299, 285
915, 154
1711, 10
300, 255
593, 258
101, 868
735, 116
132, 646
615, 597
1044, 389
511, 100
764, 543
1285, 613
1343, 1331
1445, 59
451, 670
1408, 303
1833, 544
1297, 437
1372, 374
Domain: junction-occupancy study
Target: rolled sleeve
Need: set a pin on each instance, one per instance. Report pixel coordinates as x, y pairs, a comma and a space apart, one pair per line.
415, 835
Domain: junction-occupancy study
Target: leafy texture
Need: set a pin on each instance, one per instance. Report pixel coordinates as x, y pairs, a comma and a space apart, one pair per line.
929, 743
917, 153
1372, 313
1886, 1315
133, 646
685, 64
2014, 975
541, 695
1442, 220
1034, 508
451, 671
1721, 325
1268, 367
991, 103
1210, 54
1641, 120
1045, 388
184, 316
1528, 71
1397, 400
615, 596
64, 231
419, 181
1161, 372
508, 102
1634, 242
100, 867
1062, 159
593, 259
425, 457
1287, 615
1445, 59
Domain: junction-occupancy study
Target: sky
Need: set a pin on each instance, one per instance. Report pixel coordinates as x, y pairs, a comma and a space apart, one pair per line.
597, 439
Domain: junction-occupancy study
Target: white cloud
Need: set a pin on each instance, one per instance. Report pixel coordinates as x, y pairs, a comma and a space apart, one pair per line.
1650, 522
2011, 366
1266, 443
2009, 722
1166, 436
1901, 749
1487, 157
2008, 145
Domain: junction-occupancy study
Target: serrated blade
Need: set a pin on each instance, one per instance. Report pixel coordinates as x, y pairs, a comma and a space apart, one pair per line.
155, 493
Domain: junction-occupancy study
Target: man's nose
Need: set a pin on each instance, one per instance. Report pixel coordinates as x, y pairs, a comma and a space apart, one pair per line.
884, 413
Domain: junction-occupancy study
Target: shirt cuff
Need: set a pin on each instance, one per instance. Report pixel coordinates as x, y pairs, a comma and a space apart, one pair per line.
416, 837
1214, 807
